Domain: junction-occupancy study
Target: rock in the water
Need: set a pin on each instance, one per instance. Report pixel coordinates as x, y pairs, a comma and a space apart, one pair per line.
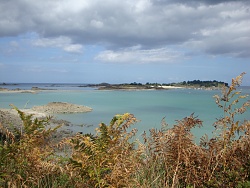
61, 107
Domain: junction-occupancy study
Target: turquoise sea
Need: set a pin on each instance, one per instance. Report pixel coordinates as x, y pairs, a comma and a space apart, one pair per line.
148, 106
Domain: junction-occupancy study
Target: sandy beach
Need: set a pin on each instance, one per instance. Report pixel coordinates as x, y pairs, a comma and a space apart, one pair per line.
171, 87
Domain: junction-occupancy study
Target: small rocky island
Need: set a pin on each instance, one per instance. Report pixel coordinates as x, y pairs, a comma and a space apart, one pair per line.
61, 107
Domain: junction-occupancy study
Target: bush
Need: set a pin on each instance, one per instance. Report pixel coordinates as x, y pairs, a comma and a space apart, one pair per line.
26, 154
107, 158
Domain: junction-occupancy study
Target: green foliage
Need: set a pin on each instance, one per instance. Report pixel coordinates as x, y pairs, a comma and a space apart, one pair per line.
206, 83
99, 158
25, 153
199, 83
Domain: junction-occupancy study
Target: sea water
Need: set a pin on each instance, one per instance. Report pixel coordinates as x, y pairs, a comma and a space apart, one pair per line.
148, 106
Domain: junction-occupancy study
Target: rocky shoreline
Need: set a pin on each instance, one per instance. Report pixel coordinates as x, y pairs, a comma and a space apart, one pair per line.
18, 90
9, 118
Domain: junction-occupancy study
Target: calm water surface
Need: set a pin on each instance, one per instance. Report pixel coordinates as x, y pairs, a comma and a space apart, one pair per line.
150, 107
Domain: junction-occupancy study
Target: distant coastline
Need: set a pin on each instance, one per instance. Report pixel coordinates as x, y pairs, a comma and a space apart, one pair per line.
35, 88
195, 84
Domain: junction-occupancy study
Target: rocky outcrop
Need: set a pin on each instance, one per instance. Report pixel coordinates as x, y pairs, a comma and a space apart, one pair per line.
61, 107
9, 118
3, 89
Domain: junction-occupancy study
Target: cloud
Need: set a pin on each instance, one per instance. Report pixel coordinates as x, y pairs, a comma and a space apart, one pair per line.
231, 39
193, 2
60, 42
77, 48
137, 55
208, 26
97, 24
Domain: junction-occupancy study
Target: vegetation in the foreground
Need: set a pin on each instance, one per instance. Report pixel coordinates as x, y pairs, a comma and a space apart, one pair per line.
168, 157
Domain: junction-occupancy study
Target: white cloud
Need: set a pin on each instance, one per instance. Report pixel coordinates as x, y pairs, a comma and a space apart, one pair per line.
52, 42
75, 48
71, 6
96, 24
137, 55
142, 5
59, 42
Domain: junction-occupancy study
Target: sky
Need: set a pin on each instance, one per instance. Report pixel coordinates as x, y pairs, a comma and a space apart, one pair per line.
94, 41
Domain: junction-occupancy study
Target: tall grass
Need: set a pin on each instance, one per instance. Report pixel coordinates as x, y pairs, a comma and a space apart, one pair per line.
168, 157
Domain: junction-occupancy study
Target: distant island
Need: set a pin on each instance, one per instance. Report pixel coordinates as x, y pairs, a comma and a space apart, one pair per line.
7, 84
195, 84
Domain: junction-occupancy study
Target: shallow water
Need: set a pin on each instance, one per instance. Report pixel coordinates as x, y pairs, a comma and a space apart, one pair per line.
148, 106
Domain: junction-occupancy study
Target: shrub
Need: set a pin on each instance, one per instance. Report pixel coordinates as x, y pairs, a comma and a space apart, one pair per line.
26, 155
107, 158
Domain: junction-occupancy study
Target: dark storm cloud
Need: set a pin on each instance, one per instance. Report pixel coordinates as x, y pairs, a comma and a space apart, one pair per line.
214, 27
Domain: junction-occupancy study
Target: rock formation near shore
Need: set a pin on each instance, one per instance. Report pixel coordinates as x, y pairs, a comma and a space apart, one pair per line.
61, 107
9, 118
